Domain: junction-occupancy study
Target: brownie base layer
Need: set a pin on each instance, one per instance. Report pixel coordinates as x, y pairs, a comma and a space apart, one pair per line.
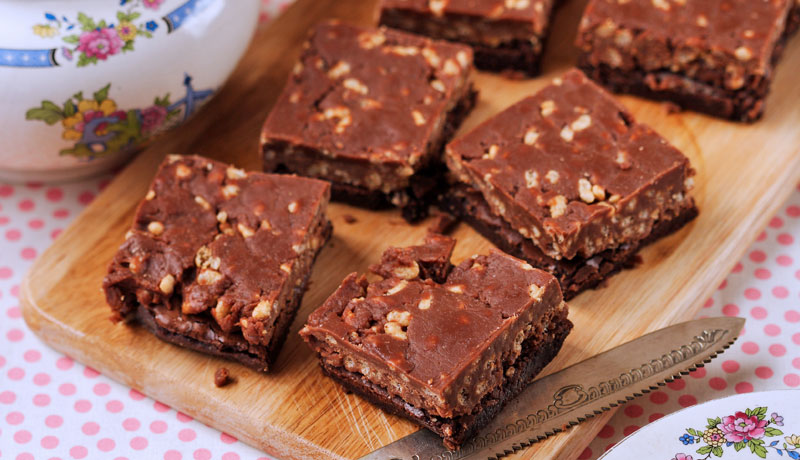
519, 55
536, 353
229, 345
746, 104
425, 184
575, 275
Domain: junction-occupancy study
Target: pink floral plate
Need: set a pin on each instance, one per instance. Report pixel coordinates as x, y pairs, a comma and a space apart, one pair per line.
745, 426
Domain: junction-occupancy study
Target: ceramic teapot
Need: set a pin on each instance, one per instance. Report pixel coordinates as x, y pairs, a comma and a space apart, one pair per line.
84, 83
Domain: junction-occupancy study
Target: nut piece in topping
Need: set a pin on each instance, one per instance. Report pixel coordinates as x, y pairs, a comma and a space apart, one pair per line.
222, 377
263, 309
155, 227
183, 171
167, 284
395, 330
558, 206
407, 272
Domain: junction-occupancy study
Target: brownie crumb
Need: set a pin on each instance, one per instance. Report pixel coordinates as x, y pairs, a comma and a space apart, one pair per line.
349, 218
222, 377
672, 108
442, 223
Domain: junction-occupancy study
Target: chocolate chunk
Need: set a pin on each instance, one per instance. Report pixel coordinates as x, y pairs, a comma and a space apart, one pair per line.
222, 377
712, 56
370, 110
446, 347
218, 258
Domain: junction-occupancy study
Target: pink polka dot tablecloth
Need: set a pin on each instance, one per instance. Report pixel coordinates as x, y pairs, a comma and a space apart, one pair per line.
54, 408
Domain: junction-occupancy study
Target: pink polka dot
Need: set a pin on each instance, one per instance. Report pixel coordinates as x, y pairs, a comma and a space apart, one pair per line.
793, 211
758, 256
90, 428
202, 454
6, 191
183, 418
717, 383
792, 316
791, 380
764, 372
83, 406
25, 456
16, 373
5, 273
22, 436
15, 335
730, 310
90, 373
743, 387
187, 434
13, 235
64, 363
776, 222
14, 313
750, 348
784, 260
53, 421
54, 194
161, 407
78, 452
114, 406
777, 350
2, 361
629, 430
752, 293
758, 312
698, 373
172, 455
687, 400
796, 363
15, 418
4, 220
772, 330
131, 424
101, 389
41, 400
659, 397
106, 445
723, 285
66, 389
762, 273
41, 379
608, 447
35, 224
60, 213
85, 198
28, 253
586, 454
138, 443
633, 410
158, 427
796, 338
32, 356
7, 397
135, 395
49, 442
677, 385
780, 292
26, 205
227, 439
230, 456
785, 239
709, 303
655, 416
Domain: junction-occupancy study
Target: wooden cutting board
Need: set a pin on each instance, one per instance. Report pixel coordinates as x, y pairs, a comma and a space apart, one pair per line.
745, 172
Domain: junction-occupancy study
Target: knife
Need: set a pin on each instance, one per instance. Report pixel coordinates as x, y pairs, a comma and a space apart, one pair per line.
568, 397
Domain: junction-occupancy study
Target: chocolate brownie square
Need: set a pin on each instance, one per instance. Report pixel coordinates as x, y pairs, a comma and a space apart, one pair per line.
571, 171
712, 56
505, 34
218, 258
370, 110
444, 346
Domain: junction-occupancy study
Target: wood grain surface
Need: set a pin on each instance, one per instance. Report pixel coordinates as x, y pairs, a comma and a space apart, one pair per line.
745, 172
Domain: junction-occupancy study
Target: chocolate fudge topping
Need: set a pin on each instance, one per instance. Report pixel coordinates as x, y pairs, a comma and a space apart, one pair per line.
721, 52
216, 254
439, 345
505, 34
368, 109
572, 171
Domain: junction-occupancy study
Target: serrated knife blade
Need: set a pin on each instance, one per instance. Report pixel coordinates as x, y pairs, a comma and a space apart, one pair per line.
568, 397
